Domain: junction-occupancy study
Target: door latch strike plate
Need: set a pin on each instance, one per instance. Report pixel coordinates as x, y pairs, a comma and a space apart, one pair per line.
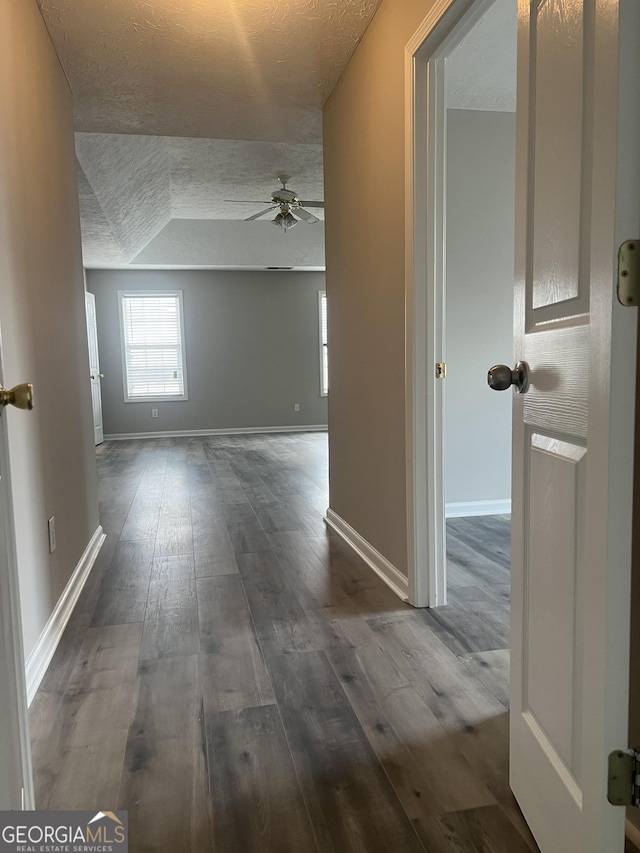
629, 273
623, 786
441, 370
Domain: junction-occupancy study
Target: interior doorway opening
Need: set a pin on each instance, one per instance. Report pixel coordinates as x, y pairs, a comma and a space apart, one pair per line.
476, 285
469, 285
461, 87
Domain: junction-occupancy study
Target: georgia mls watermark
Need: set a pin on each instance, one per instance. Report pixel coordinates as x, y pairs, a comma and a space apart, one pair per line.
64, 832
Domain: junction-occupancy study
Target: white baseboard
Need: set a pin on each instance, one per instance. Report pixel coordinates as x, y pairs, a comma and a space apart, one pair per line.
40, 657
632, 832
469, 508
373, 558
122, 436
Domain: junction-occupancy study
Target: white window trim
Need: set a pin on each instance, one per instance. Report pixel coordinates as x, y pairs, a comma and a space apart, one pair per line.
324, 391
123, 357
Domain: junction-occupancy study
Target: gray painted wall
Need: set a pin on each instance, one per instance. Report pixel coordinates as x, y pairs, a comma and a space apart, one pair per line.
252, 349
364, 159
479, 329
42, 318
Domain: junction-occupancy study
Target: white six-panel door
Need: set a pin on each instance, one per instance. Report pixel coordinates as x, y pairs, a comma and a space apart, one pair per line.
94, 367
573, 430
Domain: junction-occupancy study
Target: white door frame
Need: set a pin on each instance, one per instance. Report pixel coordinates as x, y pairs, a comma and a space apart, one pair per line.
425, 272
15, 748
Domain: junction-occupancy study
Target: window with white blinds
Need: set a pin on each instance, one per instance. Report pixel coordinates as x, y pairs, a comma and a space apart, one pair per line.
153, 360
324, 346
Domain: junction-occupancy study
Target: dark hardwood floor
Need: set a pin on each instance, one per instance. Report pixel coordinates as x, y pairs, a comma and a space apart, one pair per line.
239, 680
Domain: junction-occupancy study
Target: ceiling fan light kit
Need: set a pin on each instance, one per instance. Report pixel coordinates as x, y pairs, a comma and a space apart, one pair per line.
285, 220
289, 203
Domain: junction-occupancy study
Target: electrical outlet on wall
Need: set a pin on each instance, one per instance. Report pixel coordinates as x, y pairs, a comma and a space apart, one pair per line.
296, 407
51, 524
154, 413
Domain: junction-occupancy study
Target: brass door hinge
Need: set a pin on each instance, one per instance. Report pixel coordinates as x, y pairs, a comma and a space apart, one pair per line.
441, 370
623, 784
629, 273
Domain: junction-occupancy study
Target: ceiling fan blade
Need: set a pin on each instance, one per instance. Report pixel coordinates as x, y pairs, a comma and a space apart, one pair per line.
245, 201
312, 203
262, 213
304, 214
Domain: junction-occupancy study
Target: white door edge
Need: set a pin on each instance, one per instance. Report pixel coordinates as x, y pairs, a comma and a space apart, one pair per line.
15, 748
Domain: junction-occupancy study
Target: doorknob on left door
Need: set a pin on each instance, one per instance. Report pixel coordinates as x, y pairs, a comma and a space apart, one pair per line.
21, 396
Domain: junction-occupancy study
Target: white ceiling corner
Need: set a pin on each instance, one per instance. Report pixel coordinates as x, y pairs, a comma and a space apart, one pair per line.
98, 241
130, 179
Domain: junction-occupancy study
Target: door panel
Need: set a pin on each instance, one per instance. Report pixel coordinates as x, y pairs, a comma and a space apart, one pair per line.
559, 395
556, 511
556, 88
573, 431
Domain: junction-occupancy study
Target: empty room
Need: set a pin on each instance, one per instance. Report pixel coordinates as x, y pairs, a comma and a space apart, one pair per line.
279, 569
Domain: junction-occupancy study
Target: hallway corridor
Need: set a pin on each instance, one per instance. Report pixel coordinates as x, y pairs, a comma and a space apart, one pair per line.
240, 682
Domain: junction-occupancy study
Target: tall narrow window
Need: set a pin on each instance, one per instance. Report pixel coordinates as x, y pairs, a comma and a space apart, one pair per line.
324, 347
153, 361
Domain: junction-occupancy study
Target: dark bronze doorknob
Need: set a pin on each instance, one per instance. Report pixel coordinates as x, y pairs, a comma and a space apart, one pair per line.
501, 377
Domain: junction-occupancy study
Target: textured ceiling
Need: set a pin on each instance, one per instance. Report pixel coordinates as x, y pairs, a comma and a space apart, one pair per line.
204, 242
132, 187
225, 69
181, 104
481, 71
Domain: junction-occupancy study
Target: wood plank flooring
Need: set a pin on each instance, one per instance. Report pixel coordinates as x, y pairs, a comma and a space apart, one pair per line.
241, 682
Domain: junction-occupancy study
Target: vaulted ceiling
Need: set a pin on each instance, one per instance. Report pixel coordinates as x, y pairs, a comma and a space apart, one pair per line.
157, 200
181, 105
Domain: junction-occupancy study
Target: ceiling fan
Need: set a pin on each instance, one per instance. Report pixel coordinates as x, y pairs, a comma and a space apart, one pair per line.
289, 203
